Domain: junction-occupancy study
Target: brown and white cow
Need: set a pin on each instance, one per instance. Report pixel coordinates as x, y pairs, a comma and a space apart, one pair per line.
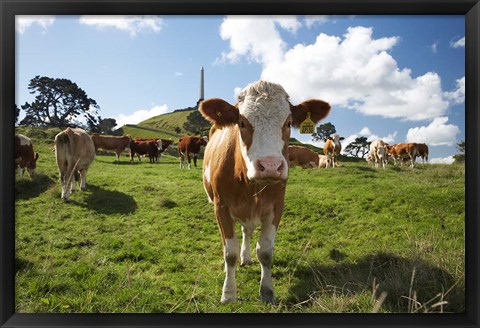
404, 151
305, 158
115, 143
422, 151
378, 153
329, 151
150, 148
24, 155
74, 152
189, 147
245, 171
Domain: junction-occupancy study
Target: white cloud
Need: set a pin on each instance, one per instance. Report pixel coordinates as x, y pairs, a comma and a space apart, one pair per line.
458, 95
178, 74
130, 24
311, 21
460, 43
434, 47
140, 115
442, 160
354, 71
257, 38
437, 133
365, 132
22, 23
236, 92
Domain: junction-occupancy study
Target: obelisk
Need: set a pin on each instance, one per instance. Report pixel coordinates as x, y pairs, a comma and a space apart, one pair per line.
201, 86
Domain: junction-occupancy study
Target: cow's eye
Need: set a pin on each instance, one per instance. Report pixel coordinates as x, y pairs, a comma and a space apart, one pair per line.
242, 125
289, 124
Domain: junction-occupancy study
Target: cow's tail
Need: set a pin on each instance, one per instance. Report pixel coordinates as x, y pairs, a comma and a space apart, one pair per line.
65, 143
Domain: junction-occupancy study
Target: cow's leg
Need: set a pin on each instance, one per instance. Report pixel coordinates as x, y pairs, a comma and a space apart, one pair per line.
76, 175
245, 255
83, 180
22, 171
189, 160
182, 161
231, 252
195, 161
265, 256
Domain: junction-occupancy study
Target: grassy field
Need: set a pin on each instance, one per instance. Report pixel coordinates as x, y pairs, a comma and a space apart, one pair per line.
143, 238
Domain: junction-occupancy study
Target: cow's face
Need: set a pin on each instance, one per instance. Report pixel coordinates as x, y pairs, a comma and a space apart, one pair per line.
32, 166
263, 117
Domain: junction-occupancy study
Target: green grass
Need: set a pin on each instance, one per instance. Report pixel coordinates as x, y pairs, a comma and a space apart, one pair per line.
143, 238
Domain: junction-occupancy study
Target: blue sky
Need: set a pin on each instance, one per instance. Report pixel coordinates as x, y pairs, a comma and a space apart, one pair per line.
398, 78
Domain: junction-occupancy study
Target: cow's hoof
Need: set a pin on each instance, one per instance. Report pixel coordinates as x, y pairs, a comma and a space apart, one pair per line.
246, 262
228, 298
267, 295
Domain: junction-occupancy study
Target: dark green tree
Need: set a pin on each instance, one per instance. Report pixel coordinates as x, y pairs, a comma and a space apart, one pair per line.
359, 148
460, 158
106, 125
324, 131
59, 103
196, 124
17, 113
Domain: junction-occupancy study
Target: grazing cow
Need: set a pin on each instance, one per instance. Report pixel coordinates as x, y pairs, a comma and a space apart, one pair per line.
323, 161
74, 151
422, 151
190, 147
24, 155
329, 151
370, 159
117, 144
404, 151
245, 171
378, 153
305, 157
150, 148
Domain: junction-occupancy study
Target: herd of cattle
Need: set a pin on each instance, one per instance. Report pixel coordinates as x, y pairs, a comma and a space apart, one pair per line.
245, 166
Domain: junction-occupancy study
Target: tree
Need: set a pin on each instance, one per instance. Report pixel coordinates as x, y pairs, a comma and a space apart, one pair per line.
106, 125
359, 148
196, 124
17, 113
59, 103
324, 131
460, 158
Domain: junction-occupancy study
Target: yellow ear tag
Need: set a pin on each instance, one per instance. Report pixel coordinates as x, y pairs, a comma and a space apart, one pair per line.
219, 113
307, 126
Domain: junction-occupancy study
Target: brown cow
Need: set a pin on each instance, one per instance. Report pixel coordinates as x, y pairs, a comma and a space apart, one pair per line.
404, 151
150, 148
422, 151
74, 152
117, 144
245, 171
305, 158
24, 156
190, 147
165, 144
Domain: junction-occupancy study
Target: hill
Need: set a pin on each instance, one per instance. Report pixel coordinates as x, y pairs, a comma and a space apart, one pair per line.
169, 126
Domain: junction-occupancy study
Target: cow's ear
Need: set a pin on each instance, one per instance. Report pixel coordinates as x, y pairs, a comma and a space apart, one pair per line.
219, 112
318, 110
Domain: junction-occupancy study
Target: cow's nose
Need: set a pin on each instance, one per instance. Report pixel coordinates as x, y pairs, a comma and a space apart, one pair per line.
270, 166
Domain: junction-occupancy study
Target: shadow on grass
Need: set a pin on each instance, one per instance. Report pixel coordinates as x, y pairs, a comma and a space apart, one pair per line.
392, 273
108, 201
28, 188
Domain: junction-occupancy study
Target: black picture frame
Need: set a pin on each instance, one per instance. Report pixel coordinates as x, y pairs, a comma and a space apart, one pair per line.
10, 8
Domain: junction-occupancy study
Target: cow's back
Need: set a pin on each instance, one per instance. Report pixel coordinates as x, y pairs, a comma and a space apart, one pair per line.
74, 146
298, 155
